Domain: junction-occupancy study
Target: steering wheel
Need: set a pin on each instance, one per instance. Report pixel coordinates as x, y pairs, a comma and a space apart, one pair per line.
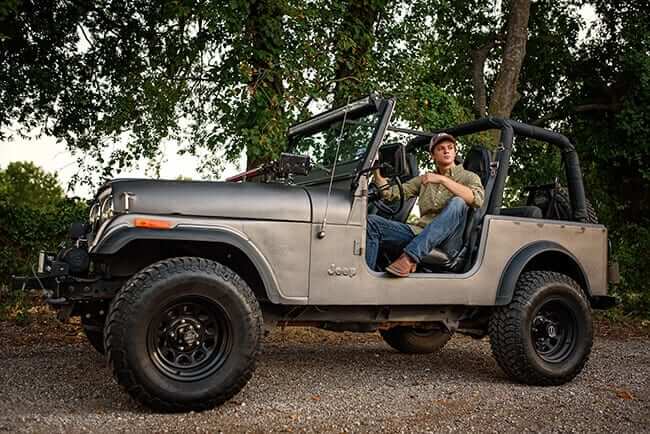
375, 194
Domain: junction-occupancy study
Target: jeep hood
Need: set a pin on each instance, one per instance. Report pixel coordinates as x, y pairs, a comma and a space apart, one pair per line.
210, 199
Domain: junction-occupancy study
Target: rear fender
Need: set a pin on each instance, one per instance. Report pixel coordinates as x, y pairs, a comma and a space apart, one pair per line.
526, 259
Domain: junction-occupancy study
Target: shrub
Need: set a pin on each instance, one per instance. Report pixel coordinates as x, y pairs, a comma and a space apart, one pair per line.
34, 215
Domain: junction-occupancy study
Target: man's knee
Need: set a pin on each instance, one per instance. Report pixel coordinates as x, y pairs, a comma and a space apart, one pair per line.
457, 203
373, 224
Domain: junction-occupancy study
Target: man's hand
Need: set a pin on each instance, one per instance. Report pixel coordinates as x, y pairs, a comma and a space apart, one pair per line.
379, 180
433, 178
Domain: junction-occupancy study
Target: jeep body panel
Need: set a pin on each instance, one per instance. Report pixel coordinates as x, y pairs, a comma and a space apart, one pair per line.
212, 199
335, 272
279, 247
340, 276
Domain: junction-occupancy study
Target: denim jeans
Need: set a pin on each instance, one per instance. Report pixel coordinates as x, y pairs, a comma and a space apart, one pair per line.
446, 231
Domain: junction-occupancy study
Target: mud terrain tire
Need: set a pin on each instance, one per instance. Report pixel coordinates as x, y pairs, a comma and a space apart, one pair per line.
183, 334
544, 335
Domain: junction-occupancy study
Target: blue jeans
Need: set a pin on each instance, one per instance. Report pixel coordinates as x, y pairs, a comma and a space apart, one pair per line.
445, 230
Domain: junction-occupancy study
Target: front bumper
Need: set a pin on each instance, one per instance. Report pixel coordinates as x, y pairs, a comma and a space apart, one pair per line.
61, 286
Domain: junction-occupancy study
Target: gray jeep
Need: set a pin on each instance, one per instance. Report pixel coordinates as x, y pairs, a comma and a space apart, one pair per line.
175, 280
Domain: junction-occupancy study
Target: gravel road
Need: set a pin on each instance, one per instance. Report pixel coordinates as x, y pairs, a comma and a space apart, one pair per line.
309, 380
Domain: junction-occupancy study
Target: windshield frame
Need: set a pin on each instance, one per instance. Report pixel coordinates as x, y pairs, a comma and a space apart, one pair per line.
354, 110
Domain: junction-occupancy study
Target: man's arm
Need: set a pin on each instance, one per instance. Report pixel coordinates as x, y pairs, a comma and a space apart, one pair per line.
472, 193
411, 187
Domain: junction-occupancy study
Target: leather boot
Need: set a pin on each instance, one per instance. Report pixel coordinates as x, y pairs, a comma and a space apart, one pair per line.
402, 266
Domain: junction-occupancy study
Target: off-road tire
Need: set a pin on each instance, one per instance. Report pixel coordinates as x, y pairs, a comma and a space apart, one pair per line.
95, 334
132, 319
563, 206
413, 341
511, 330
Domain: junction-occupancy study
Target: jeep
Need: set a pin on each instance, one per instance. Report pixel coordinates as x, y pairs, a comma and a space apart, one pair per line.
176, 281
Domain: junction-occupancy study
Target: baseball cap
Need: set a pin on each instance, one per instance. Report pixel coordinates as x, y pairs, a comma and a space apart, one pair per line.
439, 138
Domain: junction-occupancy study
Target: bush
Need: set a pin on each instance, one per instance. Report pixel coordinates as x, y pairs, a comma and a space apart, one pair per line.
631, 250
34, 215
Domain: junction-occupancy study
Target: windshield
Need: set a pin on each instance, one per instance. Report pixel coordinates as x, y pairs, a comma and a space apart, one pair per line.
321, 146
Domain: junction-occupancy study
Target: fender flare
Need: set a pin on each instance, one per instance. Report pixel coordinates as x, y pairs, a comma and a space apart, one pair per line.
117, 239
521, 258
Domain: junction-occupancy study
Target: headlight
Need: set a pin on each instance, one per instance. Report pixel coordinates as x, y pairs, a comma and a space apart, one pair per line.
94, 213
106, 209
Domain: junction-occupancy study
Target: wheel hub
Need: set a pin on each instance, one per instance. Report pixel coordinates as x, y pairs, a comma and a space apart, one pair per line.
190, 339
185, 334
553, 331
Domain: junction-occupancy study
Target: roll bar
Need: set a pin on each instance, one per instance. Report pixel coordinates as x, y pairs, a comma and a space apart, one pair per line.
509, 128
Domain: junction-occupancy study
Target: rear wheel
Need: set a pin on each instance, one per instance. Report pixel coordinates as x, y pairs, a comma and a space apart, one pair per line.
183, 334
544, 335
415, 340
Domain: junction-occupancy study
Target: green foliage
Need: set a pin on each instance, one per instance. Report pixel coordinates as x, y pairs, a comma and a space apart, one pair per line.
630, 249
34, 216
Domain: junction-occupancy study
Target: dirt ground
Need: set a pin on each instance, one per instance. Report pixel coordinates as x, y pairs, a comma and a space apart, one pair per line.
51, 380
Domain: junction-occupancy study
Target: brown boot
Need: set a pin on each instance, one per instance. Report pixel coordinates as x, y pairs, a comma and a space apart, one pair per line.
402, 266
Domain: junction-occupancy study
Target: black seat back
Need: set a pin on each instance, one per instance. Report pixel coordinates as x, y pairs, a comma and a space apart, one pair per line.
478, 161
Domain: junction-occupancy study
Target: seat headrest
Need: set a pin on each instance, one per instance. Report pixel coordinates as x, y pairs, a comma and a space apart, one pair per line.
478, 160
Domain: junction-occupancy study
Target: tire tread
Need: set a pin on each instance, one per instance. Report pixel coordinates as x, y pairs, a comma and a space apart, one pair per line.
121, 312
507, 343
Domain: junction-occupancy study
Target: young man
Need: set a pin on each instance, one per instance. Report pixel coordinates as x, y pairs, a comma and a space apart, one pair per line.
444, 197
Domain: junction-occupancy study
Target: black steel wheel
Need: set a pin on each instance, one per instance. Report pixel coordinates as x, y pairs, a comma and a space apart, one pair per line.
544, 335
414, 340
183, 334
190, 339
553, 331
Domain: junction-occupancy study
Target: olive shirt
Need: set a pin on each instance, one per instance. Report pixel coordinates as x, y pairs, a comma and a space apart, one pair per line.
434, 197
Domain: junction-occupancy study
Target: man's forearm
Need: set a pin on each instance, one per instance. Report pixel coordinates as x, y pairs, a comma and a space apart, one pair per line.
459, 190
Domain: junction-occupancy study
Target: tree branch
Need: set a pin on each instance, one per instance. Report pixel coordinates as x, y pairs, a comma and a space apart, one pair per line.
479, 56
582, 108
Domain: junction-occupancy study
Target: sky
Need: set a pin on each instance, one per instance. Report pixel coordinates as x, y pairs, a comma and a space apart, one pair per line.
53, 157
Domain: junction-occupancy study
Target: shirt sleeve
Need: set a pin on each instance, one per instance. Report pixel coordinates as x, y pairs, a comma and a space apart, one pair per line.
474, 184
411, 188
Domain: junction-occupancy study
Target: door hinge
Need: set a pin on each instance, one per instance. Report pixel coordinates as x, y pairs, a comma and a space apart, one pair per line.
356, 249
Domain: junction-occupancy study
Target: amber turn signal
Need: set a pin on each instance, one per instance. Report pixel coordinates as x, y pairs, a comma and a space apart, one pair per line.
152, 224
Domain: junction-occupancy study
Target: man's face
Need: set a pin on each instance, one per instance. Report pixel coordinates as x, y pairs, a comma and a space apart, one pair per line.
444, 153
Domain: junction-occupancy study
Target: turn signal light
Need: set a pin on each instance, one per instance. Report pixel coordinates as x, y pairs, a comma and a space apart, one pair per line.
152, 224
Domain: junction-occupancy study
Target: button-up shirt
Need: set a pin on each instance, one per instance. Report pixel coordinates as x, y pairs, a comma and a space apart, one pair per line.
434, 197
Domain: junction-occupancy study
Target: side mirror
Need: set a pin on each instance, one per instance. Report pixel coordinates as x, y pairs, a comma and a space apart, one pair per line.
294, 164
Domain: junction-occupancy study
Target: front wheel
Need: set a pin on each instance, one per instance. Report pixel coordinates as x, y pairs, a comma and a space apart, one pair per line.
544, 335
414, 340
183, 334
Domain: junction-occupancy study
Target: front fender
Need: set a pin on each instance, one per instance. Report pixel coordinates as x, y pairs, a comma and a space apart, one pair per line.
116, 239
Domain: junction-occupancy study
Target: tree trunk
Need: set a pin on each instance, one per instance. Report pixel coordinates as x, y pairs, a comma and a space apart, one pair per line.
265, 112
353, 60
505, 95
479, 56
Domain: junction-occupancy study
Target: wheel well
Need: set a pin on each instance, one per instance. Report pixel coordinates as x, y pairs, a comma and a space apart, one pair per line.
561, 263
137, 254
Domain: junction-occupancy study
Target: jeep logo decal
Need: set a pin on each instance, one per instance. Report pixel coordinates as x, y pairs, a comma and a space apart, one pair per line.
341, 271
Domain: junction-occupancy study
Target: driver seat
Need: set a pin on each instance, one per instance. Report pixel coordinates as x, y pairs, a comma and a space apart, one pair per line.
477, 161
